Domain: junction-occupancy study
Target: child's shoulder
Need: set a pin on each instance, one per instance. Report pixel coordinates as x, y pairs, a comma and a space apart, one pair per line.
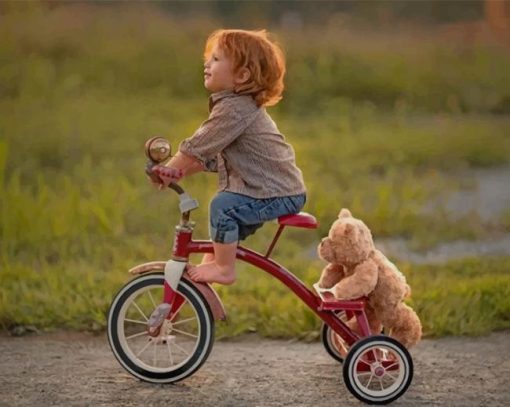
236, 102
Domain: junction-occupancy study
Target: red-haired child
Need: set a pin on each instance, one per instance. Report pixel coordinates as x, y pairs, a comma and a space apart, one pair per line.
258, 177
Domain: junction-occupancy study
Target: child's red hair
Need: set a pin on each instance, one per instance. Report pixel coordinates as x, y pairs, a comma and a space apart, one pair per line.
262, 57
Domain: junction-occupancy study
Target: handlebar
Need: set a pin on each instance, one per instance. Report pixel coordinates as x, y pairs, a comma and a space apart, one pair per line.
186, 203
177, 188
157, 150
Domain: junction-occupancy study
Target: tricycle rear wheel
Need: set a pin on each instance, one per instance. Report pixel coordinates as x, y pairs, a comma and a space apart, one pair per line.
330, 339
378, 369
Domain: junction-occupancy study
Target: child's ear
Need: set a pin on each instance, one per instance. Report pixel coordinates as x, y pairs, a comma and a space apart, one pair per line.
243, 75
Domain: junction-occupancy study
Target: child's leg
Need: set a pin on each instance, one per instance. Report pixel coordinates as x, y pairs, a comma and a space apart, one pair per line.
224, 232
208, 257
232, 218
221, 270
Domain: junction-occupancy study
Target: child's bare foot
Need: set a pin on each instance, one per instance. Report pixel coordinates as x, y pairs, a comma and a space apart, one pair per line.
211, 273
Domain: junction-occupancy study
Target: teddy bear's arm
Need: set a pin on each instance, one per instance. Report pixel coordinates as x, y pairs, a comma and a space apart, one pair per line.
360, 283
331, 274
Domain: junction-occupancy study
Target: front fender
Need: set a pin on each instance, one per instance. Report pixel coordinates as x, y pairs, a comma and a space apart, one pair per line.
210, 295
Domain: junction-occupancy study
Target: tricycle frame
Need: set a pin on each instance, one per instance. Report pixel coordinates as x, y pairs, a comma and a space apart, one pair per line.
184, 246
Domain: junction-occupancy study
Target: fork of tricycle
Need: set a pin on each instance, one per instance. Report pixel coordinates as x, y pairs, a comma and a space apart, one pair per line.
167, 310
171, 301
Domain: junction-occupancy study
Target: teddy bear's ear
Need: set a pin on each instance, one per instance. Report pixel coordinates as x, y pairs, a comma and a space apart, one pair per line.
348, 229
345, 213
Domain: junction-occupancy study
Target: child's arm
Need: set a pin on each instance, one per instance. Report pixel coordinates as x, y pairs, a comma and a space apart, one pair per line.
198, 153
177, 167
181, 165
224, 125
186, 163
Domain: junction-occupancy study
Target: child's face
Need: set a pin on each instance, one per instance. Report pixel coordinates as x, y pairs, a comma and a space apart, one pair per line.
218, 73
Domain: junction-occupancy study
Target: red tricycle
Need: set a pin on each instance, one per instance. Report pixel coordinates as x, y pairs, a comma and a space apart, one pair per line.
161, 323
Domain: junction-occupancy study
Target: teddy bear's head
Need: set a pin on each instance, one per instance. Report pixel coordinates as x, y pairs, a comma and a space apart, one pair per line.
349, 241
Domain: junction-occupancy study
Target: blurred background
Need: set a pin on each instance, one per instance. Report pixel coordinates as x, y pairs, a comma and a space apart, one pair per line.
398, 110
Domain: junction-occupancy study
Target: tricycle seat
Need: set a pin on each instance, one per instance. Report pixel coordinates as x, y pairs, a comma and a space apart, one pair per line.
299, 220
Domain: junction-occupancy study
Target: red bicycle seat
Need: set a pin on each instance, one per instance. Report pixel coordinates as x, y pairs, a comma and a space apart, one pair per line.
299, 220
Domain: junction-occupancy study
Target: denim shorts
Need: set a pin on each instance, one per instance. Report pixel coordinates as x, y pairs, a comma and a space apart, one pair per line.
233, 217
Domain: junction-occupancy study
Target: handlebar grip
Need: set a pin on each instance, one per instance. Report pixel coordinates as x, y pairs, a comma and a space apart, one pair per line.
156, 176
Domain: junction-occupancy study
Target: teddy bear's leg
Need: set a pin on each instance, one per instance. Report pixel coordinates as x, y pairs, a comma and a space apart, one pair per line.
405, 326
373, 322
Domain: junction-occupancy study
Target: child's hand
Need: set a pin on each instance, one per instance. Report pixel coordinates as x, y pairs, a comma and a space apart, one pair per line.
163, 176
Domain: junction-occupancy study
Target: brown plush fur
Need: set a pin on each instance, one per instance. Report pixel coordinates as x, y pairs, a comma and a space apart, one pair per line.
357, 269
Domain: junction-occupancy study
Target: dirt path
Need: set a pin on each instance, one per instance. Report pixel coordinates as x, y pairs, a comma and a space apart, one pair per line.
80, 370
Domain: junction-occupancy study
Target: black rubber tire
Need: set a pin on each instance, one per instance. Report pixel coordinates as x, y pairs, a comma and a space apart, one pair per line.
205, 340
362, 346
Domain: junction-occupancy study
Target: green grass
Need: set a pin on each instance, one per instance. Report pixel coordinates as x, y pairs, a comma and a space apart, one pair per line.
468, 297
381, 124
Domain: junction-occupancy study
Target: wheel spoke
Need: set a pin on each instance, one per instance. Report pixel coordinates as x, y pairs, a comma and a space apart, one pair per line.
140, 311
186, 353
170, 352
375, 354
370, 380
143, 349
184, 333
364, 374
135, 321
135, 335
390, 375
184, 320
390, 366
152, 299
154, 357
381, 383
365, 362
176, 312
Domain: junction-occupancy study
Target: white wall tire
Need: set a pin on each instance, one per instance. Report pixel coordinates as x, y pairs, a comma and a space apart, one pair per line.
378, 369
183, 344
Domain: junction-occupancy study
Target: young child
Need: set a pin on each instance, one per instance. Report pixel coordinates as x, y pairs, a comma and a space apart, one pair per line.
258, 177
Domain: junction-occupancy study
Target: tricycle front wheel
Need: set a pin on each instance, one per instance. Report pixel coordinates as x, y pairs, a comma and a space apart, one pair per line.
378, 369
183, 342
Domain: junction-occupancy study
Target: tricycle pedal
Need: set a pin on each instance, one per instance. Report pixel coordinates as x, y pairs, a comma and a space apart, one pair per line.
157, 318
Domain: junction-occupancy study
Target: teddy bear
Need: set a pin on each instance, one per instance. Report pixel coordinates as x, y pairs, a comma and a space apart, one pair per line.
357, 269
